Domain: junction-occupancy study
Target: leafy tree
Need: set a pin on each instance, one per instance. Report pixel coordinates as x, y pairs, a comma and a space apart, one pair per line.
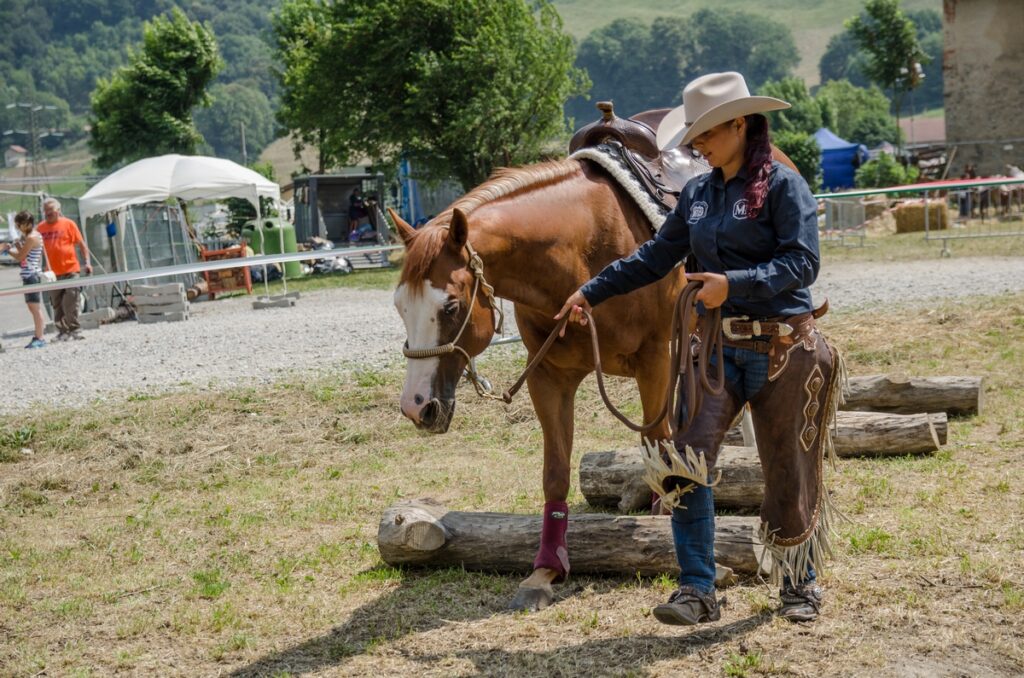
642, 67
806, 115
843, 60
860, 114
460, 86
884, 171
234, 105
146, 107
803, 150
890, 40
618, 59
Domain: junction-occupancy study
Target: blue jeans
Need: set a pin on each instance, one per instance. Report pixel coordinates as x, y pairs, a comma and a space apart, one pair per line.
693, 523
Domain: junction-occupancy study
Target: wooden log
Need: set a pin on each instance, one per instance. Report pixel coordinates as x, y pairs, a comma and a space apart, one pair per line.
956, 396
615, 478
424, 533
881, 434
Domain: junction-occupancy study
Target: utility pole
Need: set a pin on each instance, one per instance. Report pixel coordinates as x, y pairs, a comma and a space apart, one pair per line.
245, 154
36, 165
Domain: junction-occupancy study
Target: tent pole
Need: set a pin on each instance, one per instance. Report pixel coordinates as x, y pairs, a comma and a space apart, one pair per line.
259, 227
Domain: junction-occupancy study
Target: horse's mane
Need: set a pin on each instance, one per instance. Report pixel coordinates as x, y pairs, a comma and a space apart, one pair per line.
504, 182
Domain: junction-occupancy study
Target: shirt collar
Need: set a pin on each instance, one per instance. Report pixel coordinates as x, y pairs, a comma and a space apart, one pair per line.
717, 178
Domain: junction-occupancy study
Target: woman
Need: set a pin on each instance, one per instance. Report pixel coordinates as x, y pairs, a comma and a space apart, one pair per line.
28, 251
751, 226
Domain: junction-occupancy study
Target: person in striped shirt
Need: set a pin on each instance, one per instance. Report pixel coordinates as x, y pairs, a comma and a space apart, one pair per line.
28, 251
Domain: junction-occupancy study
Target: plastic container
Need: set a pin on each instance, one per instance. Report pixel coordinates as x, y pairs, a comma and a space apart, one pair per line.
275, 233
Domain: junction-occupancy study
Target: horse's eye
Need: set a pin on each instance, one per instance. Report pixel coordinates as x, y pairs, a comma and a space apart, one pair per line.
451, 307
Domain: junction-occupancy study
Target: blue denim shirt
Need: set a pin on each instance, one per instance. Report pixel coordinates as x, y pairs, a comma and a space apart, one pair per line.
770, 260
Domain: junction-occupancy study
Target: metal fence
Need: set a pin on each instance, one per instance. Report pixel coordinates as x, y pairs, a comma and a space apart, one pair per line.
984, 208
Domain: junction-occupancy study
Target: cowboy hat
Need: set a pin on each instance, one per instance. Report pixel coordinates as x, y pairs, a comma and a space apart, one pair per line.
708, 101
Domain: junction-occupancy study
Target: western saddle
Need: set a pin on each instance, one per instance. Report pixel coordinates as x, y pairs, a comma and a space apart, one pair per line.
635, 139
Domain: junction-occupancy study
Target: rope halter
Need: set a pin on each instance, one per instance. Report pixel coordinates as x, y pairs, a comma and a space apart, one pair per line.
476, 265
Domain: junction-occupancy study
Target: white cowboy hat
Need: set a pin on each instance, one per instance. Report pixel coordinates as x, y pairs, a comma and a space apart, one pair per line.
708, 101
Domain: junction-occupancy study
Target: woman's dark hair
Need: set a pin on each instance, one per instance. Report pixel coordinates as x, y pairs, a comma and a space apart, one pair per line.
23, 218
758, 161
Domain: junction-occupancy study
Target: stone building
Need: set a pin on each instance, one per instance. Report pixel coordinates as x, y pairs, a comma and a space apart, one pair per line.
983, 71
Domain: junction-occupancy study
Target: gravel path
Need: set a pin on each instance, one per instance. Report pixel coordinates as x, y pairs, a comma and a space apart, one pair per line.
227, 343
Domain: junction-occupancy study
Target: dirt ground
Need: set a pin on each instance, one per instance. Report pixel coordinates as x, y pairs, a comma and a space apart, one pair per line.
233, 533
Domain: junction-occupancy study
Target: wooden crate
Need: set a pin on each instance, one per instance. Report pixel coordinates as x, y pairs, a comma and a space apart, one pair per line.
227, 279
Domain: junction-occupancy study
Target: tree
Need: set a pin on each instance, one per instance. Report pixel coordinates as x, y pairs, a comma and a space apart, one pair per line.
146, 107
843, 60
803, 150
883, 172
860, 114
459, 86
806, 114
889, 37
234, 105
642, 67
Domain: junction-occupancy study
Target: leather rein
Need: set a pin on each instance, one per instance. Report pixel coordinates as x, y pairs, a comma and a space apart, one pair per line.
688, 366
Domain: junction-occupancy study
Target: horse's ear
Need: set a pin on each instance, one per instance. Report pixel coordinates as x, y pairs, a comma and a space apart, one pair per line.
405, 231
458, 230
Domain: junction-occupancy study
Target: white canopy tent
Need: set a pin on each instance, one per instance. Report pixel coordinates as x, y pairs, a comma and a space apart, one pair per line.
189, 177
185, 177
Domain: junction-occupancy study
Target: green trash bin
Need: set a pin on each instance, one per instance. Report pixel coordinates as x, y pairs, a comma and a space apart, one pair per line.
275, 232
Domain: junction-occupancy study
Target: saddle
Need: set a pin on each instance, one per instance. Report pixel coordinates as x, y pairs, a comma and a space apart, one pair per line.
635, 140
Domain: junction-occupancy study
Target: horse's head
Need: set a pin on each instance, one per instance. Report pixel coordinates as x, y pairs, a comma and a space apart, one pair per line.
448, 317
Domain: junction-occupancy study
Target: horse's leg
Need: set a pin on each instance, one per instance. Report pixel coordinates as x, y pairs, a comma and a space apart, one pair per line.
553, 393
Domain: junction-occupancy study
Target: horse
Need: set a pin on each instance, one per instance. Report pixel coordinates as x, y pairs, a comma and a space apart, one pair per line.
533, 235
538, 233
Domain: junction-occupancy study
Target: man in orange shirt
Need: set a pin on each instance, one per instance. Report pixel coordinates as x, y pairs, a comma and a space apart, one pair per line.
60, 236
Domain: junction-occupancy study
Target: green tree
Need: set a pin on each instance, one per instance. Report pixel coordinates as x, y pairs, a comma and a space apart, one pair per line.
146, 107
883, 172
807, 114
860, 114
234, 105
460, 86
803, 150
890, 40
642, 67
843, 60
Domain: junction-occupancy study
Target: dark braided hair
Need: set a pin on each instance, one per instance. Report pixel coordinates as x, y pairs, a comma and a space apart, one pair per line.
758, 161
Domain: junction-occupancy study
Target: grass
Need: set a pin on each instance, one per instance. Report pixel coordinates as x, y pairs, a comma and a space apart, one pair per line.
235, 531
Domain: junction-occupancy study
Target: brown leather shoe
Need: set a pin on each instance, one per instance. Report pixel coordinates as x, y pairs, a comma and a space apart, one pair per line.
687, 607
801, 603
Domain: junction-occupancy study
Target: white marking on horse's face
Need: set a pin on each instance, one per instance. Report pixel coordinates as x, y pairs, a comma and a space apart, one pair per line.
420, 313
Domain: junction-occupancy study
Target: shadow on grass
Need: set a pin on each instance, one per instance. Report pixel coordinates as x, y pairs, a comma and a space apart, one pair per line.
426, 601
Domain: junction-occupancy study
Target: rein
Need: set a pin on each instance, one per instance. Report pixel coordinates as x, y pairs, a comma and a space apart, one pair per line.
691, 371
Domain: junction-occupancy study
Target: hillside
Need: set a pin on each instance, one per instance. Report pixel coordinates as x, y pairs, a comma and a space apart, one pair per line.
813, 22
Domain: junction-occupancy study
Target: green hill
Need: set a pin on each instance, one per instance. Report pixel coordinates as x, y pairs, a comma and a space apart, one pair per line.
813, 22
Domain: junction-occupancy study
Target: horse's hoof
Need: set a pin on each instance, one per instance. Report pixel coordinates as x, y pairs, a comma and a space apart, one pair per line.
531, 600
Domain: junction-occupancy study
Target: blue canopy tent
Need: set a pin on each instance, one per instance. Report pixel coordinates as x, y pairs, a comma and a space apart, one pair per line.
839, 159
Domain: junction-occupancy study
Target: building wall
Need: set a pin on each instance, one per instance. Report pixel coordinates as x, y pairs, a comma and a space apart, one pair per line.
983, 69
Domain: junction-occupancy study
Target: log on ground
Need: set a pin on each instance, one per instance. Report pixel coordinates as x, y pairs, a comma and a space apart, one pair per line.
956, 396
615, 478
425, 533
881, 434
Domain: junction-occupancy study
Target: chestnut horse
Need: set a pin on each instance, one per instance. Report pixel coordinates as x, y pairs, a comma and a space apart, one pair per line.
540, 232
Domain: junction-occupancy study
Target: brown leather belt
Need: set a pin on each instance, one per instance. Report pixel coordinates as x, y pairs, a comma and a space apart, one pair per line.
756, 335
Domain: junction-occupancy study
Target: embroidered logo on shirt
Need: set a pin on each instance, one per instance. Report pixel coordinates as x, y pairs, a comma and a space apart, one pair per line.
739, 210
698, 211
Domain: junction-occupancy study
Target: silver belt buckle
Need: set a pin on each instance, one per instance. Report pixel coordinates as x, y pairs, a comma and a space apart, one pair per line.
727, 328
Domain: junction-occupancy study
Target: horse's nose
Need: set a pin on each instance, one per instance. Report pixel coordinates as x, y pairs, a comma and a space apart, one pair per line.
413, 407
428, 415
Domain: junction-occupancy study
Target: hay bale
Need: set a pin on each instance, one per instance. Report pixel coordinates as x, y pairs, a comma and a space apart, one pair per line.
910, 216
874, 207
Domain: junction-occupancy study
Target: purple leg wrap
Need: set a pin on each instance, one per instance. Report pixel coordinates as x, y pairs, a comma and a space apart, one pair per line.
554, 552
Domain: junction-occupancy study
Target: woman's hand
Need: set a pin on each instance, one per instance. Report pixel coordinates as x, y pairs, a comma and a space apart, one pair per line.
715, 290
575, 305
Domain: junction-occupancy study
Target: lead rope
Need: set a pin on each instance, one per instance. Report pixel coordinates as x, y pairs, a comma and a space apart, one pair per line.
692, 372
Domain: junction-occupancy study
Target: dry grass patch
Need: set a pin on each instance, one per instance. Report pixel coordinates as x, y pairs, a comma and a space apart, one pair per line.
234, 531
